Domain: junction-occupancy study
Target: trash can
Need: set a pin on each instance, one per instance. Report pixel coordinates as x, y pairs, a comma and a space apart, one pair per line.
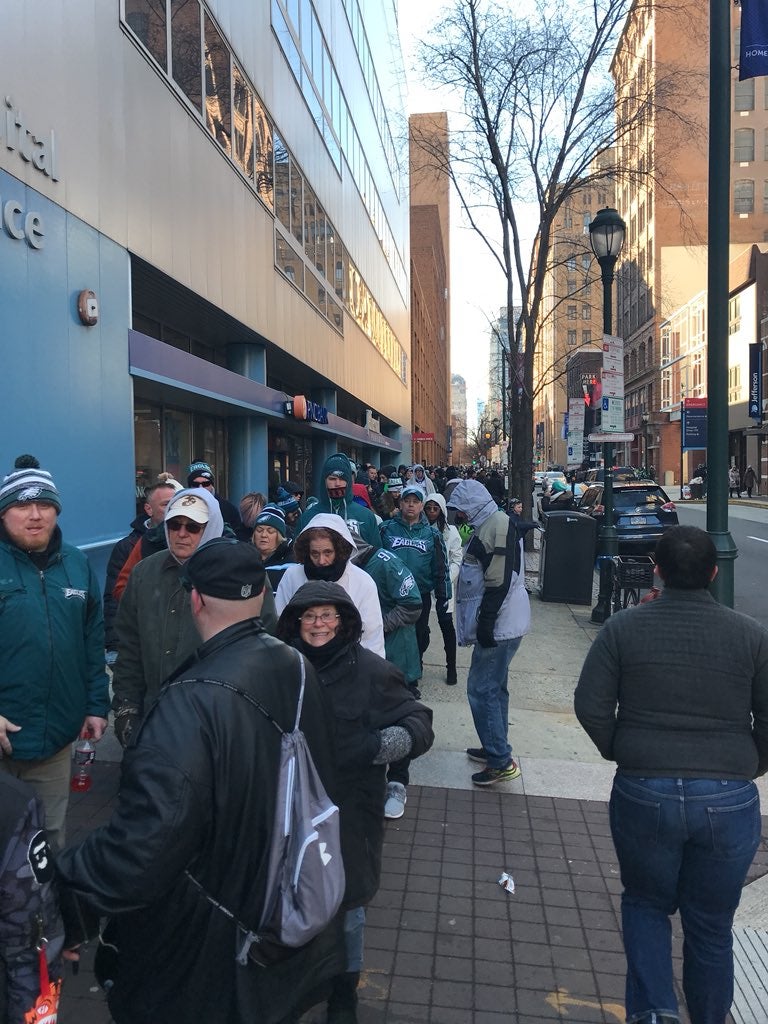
697, 490
567, 557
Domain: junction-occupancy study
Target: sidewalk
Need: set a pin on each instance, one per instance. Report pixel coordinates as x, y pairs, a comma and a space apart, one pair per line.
444, 942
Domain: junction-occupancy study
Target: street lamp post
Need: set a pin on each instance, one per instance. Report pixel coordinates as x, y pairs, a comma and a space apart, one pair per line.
606, 236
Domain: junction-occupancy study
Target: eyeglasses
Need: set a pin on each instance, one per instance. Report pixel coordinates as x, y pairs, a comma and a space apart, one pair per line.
202, 483
309, 618
174, 525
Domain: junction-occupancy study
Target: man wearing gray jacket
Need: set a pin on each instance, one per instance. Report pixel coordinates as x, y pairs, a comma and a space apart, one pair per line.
493, 613
676, 693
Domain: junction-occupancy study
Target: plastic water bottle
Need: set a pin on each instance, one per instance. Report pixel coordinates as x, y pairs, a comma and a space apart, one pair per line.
83, 757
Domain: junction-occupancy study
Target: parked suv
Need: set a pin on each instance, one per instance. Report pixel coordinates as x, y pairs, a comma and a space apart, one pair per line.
619, 475
641, 513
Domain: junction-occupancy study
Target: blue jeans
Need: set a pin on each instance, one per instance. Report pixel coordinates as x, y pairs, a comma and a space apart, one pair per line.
682, 844
488, 696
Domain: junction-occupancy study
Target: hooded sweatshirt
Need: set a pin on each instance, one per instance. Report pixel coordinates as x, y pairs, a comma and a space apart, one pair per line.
359, 520
490, 528
421, 477
452, 546
357, 583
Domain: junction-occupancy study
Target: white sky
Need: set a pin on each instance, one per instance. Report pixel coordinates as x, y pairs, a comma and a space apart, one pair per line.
477, 284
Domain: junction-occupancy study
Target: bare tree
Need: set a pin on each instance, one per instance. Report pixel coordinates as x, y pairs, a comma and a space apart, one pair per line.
540, 122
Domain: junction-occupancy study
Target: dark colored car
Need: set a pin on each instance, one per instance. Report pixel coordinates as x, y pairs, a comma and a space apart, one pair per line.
641, 513
619, 475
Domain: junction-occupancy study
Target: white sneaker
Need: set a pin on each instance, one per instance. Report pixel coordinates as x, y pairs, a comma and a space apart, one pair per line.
396, 800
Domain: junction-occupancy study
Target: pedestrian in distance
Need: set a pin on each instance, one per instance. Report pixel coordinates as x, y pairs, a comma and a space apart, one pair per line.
493, 614
181, 868
269, 539
750, 478
437, 514
675, 691
201, 475
53, 684
337, 498
734, 482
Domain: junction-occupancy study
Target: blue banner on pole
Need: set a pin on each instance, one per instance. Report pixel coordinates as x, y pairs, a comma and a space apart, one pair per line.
753, 49
756, 382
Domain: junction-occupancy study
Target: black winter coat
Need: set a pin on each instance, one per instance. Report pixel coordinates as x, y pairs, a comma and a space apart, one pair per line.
117, 558
197, 793
366, 694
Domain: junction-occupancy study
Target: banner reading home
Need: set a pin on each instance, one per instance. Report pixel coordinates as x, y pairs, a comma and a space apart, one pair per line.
753, 48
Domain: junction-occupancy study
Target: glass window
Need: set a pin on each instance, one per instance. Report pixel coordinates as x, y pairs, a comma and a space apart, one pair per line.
288, 261
146, 19
765, 197
586, 311
242, 123
282, 182
743, 196
571, 312
186, 55
310, 227
743, 145
586, 261
262, 142
586, 337
177, 431
297, 202
571, 262
147, 444
318, 230
335, 314
218, 112
744, 95
315, 292
571, 338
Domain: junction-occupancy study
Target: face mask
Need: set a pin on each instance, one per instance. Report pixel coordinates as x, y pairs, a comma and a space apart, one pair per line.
330, 573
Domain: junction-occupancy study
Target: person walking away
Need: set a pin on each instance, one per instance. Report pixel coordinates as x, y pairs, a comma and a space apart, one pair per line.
191, 830
734, 482
376, 720
437, 515
493, 614
676, 693
749, 480
53, 684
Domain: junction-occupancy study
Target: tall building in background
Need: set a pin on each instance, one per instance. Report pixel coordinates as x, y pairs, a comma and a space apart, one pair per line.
459, 455
430, 286
571, 315
205, 251
663, 199
499, 361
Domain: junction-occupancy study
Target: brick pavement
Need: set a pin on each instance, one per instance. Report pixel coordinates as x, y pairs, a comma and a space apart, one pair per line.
444, 942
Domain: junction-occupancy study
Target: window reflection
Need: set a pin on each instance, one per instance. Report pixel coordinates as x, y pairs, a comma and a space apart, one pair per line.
263, 153
297, 203
282, 183
288, 261
242, 123
185, 50
217, 87
147, 20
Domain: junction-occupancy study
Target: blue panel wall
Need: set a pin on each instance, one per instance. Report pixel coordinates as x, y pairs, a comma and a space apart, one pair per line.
67, 392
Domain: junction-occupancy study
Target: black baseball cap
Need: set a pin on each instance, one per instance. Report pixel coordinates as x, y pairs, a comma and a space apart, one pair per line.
225, 568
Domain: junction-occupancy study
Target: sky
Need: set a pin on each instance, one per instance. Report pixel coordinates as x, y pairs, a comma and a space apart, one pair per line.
477, 284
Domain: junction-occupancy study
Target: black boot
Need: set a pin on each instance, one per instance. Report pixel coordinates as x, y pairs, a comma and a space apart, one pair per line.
342, 1006
450, 667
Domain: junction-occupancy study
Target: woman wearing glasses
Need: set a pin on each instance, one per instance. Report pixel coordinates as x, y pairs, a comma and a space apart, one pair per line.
377, 721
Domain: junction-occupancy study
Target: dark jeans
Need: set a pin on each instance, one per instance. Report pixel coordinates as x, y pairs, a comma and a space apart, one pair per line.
447, 628
682, 844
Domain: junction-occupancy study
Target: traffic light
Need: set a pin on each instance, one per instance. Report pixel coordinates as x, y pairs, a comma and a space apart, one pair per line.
589, 392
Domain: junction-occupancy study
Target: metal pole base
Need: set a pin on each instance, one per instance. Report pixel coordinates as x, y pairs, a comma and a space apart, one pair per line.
602, 609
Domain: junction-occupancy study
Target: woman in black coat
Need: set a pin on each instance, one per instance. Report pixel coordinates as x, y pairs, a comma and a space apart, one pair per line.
377, 721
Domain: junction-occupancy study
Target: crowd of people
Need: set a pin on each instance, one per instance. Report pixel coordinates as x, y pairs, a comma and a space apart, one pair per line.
218, 618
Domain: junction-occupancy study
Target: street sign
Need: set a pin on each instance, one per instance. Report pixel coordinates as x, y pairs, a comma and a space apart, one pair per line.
613, 384
612, 405
575, 432
756, 381
613, 415
610, 438
613, 354
423, 436
694, 428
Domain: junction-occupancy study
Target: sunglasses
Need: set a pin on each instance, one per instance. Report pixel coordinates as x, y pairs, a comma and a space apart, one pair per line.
174, 525
202, 483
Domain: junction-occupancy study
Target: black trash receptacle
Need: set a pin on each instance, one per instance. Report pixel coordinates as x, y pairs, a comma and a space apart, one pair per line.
697, 490
567, 558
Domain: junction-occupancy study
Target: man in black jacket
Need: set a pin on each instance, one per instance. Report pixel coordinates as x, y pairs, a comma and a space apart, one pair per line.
676, 692
197, 797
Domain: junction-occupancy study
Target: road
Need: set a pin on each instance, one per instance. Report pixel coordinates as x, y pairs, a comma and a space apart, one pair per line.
749, 529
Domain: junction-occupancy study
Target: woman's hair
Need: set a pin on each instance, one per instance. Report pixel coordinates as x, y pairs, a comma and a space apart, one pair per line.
340, 545
441, 517
250, 506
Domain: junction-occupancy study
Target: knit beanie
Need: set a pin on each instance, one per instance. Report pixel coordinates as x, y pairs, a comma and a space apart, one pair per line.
272, 516
285, 501
198, 470
394, 484
28, 483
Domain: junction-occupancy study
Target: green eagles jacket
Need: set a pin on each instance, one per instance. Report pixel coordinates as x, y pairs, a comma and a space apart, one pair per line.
51, 648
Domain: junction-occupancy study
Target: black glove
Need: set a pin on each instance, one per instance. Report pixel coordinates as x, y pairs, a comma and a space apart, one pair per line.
127, 719
485, 631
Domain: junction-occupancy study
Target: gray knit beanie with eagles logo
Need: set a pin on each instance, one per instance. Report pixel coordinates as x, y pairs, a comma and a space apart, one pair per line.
28, 482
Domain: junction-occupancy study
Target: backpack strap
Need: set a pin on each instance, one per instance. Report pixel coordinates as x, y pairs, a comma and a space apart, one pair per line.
303, 672
241, 693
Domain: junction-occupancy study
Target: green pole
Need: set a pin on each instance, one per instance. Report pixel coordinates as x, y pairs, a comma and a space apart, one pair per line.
717, 296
